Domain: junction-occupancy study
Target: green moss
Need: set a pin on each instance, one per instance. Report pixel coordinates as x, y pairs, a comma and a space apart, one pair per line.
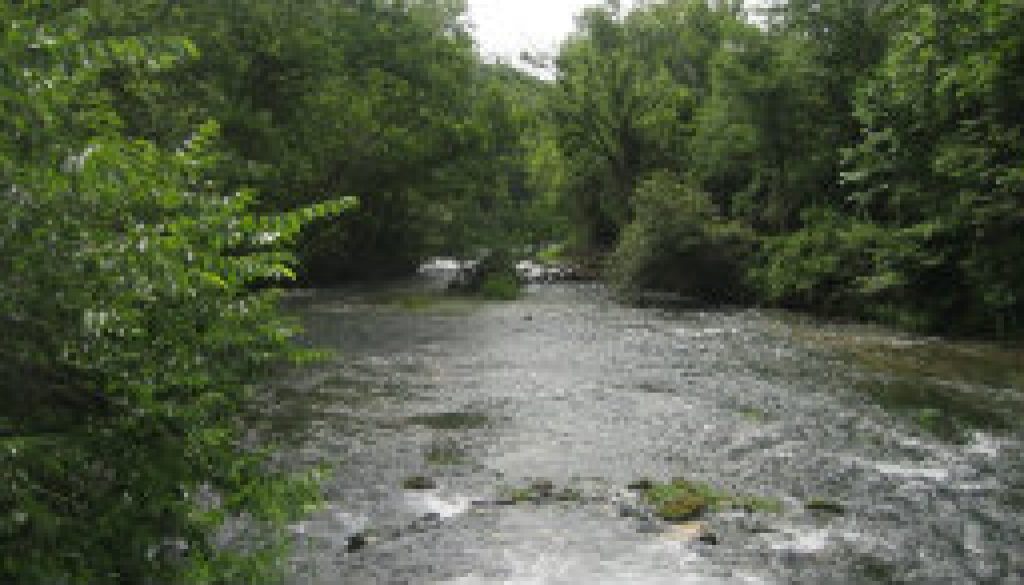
568, 494
759, 504
682, 500
538, 490
754, 414
519, 495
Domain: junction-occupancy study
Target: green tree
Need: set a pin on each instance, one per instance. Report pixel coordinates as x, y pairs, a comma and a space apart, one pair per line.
941, 151
134, 336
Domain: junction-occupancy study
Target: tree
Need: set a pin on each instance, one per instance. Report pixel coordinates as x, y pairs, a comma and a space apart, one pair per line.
134, 331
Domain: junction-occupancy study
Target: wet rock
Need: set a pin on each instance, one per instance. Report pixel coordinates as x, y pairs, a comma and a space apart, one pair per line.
640, 485
568, 495
360, 540
542, 488
708, 538
649, 526
631, 510
684, 508
825, 506
419, 482
428, 521
686, 531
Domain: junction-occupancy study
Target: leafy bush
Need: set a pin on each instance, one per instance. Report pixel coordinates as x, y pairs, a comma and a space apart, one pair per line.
500, 287
838, 265
133, 337
678, 243
494, 277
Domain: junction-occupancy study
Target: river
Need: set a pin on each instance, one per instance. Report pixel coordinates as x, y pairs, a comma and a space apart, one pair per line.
915, 442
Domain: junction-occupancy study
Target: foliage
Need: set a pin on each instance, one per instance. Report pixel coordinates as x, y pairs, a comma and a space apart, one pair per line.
494, 277
500, 287
679, 243
873, 147
384, 100
134, 330
942, 153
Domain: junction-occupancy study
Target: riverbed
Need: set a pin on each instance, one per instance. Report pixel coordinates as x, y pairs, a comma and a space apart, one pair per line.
915, 444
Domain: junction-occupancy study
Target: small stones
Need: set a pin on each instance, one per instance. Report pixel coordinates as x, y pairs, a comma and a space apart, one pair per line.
543, 488
569, 495
649, 526
629, 510
539, 491
355, 542
709, 538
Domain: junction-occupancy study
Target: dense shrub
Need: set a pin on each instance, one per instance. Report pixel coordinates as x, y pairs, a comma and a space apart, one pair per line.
132, 333
838, 265
678, 243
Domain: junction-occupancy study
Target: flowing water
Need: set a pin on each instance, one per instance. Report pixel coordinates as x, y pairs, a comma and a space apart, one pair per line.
916, 443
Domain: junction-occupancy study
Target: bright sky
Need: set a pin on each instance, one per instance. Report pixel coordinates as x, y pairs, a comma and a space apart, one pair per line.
507, 27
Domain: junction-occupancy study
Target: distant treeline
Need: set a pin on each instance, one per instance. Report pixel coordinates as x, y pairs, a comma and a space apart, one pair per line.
852, 157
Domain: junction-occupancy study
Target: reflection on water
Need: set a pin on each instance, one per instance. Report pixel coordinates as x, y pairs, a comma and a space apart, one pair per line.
917, 441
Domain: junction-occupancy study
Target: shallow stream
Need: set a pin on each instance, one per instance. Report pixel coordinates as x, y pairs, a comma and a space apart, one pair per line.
917, 442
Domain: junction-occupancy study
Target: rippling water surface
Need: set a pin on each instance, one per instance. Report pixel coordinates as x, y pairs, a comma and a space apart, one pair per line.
918, 440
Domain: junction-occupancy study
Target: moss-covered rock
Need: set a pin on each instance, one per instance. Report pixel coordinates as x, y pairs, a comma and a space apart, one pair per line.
682, 500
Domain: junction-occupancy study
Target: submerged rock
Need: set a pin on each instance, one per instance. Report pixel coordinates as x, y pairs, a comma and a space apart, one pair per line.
419, 482
640, 485
825, 506
708, 538
542, 488
649, 526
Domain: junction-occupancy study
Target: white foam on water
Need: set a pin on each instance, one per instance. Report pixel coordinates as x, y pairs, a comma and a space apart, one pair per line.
662, 563
984, 444
910, 472
805, 541
430, 502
